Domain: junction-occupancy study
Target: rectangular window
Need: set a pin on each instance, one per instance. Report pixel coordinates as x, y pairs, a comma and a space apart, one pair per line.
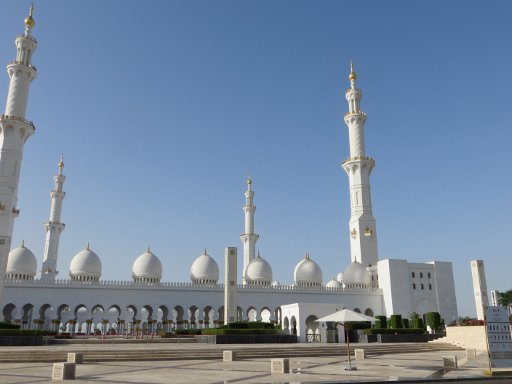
413, 275
428, 275
422, 286
421, 275
430, 286
414, 286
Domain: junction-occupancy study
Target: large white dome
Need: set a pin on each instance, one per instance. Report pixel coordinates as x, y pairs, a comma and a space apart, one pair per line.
21, 264
356, 275
85, 266
147, 268
307, 273
258, 272
204, 270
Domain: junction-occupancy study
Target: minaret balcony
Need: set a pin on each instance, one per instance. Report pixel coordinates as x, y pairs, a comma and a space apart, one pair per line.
16, 62
25, 36
355, 113
17, 118
359, 158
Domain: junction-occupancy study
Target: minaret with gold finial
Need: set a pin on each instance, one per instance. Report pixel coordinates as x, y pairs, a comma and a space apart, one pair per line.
54, 227
249, 238
363, 233
14, 132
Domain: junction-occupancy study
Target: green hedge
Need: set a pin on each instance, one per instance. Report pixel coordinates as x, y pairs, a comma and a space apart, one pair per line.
249, 325
405, 323
381, 322
433, 320
395, 322
188, 331
357, 325
225, 331
23, 332
391, 331
5, 325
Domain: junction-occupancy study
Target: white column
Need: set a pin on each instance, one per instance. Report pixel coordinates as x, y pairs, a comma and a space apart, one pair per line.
249, 238
14, 132
54, 227
230, 285
479, 288
362, 226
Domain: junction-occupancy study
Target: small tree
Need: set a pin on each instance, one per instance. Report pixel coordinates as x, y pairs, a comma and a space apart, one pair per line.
405, 323
416, 321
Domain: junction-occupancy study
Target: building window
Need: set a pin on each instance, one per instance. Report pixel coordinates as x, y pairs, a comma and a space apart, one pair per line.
421, 275
414, 286
413, 275
422, 286
428, 275
430, 286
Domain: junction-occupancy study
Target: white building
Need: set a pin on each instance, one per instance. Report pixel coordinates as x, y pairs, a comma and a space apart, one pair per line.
85, 300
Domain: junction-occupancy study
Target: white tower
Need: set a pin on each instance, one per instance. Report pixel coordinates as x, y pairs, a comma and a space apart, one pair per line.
14, 132
363, 233
479, 288
249, 238
54, 227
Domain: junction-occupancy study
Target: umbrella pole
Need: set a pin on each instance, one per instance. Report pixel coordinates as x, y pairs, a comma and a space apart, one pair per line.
348, 348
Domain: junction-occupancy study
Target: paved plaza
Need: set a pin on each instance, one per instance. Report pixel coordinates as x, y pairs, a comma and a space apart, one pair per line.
388, 367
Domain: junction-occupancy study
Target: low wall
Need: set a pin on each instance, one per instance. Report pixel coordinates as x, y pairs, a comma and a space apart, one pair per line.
246, 339
392, 338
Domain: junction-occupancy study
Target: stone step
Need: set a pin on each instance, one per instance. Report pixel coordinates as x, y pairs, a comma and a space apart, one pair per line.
209, 354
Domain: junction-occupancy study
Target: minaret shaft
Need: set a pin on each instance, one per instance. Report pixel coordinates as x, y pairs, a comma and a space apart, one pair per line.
249, 238
363, 232
14, 132
54, 227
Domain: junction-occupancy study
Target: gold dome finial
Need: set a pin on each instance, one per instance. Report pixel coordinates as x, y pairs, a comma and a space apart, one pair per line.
352, 76
61, 162
29, 21
249, 180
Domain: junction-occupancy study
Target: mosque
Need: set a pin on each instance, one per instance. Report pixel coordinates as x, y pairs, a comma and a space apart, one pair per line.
85, 301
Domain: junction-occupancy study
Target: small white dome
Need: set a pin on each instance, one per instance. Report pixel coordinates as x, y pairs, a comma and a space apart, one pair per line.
276, 283
258, 271
333, 284
204, 270
147, 268
339, 278
356, 275
85, 266
21, 264
307, 273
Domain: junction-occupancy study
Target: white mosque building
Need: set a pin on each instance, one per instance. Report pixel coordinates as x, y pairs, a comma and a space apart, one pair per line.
86, 301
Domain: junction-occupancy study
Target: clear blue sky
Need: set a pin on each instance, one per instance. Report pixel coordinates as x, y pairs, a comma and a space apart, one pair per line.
162, 108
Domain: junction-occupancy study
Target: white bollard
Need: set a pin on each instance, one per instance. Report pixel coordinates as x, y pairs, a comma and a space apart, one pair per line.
359, 354
63, 371
228, 355
450, 362
280, 366
77, 358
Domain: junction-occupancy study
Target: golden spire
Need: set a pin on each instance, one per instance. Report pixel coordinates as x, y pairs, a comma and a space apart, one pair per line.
29, 21
205, 252
249, 180
61, 162
352, 76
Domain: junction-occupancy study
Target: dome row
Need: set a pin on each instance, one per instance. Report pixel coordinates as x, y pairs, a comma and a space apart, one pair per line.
86, 266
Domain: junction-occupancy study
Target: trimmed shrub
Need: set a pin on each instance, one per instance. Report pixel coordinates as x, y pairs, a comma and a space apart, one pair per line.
23, 332
225, 331
166, 335
249, 325
188, 332
395, 322
433, 321
405, 323
399, 331
357, 325
381, 322
5, 325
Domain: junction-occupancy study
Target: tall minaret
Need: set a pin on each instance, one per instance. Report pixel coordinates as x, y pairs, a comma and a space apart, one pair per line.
54, 227
249, 238
14, 132
363, 233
